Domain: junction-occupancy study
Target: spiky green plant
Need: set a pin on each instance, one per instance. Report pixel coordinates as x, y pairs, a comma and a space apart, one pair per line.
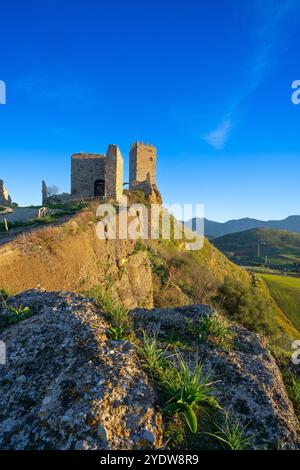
294, 393
213, 326
12, 315
232, 434
188, 388
154, 356
114, 310
116, 333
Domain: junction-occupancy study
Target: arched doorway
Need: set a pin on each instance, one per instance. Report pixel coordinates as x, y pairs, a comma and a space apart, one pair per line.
99, 188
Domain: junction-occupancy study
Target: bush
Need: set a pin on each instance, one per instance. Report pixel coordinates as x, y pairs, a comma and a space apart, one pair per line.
247, 305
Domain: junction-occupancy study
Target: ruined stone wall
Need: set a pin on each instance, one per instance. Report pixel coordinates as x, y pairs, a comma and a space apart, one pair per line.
113, 172
86, 168
141, 162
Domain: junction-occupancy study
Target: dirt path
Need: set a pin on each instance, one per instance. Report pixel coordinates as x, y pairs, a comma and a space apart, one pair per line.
12, 234
20, 214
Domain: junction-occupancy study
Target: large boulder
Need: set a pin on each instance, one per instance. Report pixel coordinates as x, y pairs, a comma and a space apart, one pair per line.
249, 384
67, 386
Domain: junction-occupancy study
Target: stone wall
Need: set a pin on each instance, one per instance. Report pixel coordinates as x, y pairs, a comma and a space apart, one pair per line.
150, 190
141, 162
114, 172
86, 168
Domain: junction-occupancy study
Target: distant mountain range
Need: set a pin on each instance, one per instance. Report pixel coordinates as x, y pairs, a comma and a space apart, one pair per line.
261, 245
217, 229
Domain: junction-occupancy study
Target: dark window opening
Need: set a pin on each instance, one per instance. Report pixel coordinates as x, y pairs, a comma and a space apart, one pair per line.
99, 188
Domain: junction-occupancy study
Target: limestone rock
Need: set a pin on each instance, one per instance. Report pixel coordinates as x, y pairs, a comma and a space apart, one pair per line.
134, 286
250, 385
67, 386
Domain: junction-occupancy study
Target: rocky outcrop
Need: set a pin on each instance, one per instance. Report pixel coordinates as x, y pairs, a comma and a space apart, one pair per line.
249, 383
67, 386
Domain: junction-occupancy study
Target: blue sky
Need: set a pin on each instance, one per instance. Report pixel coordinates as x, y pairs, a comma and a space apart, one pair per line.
208, 82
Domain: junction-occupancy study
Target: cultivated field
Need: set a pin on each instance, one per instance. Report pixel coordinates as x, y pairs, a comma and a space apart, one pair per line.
286, 292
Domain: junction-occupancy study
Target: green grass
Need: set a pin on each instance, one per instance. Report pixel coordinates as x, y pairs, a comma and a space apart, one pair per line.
286, 292
232, 434
213, 327
114, 311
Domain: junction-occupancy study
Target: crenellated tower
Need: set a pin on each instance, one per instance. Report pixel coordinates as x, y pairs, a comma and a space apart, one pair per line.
142, 161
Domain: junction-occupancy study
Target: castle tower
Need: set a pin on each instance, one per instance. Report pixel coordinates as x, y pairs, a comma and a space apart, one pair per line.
142, 161
113, 172
44, 192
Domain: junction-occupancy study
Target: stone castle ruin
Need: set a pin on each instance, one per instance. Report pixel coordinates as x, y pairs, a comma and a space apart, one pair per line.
5, 199
96, 175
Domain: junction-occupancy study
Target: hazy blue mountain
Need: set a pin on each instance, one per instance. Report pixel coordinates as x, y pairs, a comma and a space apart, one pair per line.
218, 229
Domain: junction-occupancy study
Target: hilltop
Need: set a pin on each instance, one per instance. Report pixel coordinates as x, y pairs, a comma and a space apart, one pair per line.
217, 229
279, 248
142, 273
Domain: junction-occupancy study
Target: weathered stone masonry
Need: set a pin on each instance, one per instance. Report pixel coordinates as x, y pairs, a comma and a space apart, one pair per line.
88, 175
101, 175
141, 163
5, 199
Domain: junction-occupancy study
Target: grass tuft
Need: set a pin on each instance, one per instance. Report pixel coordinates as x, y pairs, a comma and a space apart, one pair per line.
231, 434
214, 327
114, 311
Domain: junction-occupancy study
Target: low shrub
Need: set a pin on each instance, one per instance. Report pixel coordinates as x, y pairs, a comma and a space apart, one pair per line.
248, 306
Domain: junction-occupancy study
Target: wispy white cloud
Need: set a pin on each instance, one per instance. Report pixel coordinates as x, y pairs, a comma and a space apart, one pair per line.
218, 137
270, 31
68, 93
